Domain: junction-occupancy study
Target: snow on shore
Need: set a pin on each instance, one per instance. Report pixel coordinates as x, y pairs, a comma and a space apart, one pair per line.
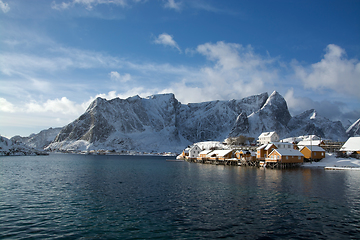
331, 161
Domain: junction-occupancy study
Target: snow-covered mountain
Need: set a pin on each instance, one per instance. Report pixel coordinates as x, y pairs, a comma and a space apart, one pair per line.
309, 122
12, 148
39, 140
161, 123
156, 123
354, 129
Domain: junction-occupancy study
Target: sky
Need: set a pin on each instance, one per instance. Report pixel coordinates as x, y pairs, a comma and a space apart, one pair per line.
58, 56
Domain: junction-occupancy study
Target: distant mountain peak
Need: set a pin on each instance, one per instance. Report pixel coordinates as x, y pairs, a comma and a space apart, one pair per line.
313, 116
98, 101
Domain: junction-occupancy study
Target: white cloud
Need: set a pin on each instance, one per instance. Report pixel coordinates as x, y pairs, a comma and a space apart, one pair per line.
167, 40
88, 4
60, 6
6, 106
4, 6
233, 56
57, 59
234, 72
297, 104
173, 5
63, 105
334, 72
115, 76
333, 110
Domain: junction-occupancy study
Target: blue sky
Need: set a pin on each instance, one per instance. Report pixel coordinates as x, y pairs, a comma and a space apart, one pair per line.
57, 56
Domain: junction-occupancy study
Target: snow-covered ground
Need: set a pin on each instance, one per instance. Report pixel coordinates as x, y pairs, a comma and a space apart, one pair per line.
331, 161
211, 144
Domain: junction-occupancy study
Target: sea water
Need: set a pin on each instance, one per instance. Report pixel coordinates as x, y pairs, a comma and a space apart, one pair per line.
64, 196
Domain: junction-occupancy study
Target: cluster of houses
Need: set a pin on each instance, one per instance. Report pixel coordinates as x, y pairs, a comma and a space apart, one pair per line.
270, 152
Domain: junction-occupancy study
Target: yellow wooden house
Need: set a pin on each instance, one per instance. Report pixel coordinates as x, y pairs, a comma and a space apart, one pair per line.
285, 156
263, 151
312, 152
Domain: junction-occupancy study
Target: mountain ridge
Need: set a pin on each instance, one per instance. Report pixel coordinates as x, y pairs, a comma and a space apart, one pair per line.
161, 123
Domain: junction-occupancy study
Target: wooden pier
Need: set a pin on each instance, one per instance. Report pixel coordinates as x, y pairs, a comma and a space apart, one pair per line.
279, 165
214, 161
243, 163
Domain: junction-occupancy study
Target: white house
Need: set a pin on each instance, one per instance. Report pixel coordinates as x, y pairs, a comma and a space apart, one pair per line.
194, 151
267, 137
311, 142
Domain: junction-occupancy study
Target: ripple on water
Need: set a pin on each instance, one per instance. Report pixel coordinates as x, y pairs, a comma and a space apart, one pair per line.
129, 197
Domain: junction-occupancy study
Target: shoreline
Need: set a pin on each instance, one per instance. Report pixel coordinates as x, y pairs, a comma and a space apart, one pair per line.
330, 162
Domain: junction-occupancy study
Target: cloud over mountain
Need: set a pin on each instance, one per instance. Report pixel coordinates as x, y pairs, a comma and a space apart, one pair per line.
334, 72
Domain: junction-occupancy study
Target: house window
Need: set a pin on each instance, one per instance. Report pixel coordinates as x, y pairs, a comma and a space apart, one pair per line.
287, 157
322, 154
299, 157
314, 153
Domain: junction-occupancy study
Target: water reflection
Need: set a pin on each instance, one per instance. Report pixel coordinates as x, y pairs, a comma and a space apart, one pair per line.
139, 197
352, 192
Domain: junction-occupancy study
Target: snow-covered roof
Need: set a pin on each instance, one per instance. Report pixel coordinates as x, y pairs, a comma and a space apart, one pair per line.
313, 148
261, 147
301, 138
309, 143
288, 152
288, 140
267, 134
205, 152
268, 146
277, 144
219, 153
351, 145
195, 146
210, 144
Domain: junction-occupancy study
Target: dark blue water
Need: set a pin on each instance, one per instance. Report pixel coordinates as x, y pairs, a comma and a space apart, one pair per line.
136, 197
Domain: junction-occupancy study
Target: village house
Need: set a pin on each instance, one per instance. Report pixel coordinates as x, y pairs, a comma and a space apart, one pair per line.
285, 156
312, 152
318, 142
245, 155
191, 152
263, 151
352, 145
220, 154
194, 151
285, 145
268, 137
185, 152
203, 154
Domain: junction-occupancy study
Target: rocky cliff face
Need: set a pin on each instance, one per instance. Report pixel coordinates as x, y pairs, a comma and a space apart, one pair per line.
354, 129
272, 116
161, 123
214, 120
309, 122
39, 140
